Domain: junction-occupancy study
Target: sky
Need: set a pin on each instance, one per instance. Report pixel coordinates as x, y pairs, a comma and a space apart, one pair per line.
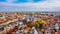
29, 5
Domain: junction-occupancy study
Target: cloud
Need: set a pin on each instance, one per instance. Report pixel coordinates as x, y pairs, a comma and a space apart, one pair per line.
46, 5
